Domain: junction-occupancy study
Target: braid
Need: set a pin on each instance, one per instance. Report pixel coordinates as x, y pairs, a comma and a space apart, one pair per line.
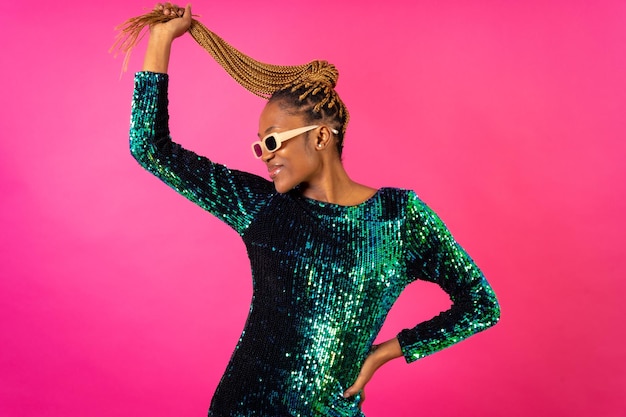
261, 79
304, 99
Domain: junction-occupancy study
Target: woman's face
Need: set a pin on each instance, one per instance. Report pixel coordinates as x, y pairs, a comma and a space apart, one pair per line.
296, 161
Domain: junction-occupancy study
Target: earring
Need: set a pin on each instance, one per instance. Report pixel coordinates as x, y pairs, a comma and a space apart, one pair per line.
319, 145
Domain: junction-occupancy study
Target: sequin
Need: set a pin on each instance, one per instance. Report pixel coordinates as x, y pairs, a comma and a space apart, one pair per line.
324, 276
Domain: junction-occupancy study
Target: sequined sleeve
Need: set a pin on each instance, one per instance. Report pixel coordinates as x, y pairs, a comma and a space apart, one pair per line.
435, 256
233, 196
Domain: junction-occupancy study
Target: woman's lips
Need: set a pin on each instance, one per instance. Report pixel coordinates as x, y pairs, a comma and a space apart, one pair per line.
274, 170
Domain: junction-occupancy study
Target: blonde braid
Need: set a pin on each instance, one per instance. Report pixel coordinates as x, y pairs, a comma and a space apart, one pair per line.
257, 77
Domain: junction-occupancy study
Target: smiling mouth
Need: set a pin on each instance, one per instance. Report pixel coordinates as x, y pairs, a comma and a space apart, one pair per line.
274, 170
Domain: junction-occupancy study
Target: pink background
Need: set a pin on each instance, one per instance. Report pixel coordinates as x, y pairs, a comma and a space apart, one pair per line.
120, 298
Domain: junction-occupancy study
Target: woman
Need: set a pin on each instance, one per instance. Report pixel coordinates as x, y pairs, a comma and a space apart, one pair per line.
329, 256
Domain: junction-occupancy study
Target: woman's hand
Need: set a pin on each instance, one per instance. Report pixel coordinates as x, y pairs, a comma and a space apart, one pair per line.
173, 28
163, 34
380, 355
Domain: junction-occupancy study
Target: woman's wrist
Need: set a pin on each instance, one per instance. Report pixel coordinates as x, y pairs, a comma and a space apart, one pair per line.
158, 52
386, 351
161, 35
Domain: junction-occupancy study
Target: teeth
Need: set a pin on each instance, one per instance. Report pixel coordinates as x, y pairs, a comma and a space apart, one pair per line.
274, 172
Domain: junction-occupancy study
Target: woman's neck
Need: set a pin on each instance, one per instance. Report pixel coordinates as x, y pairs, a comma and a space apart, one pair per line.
334, 186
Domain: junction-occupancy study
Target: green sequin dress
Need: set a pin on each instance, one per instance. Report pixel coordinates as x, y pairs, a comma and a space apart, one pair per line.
324, 276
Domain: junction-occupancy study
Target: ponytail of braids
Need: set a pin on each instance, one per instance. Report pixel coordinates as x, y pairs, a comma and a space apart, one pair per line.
313, 82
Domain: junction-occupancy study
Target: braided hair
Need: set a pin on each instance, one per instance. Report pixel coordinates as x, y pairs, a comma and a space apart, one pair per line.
307, 90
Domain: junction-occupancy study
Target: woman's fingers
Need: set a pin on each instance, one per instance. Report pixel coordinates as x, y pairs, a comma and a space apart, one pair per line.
358, 387
169, 8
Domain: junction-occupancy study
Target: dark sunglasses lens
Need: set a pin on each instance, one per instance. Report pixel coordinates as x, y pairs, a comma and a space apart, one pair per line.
258, 151
270, 143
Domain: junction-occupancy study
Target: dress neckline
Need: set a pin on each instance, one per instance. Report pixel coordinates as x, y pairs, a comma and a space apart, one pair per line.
325, 204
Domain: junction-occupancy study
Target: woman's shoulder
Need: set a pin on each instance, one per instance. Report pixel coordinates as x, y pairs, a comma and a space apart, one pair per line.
404, 195
405, 201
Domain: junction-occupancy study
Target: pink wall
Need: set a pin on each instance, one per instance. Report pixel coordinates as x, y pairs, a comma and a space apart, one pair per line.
120, 298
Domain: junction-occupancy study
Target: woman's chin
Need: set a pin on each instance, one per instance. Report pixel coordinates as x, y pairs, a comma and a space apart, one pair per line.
281, 187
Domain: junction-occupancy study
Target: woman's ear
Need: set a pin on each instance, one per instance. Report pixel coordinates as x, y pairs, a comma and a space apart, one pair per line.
324, 138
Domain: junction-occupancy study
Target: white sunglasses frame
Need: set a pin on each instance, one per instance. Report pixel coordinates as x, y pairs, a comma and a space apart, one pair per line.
281, 137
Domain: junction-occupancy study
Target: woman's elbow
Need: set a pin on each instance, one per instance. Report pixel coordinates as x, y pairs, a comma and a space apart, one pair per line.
491, 311
139, 150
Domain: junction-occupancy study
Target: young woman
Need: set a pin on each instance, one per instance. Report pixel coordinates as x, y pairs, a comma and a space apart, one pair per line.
329, 256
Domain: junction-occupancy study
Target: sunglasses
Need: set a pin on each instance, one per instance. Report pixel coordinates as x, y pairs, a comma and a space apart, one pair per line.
274, 141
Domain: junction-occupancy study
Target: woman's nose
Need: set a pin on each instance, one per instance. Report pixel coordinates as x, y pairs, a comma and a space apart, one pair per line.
267, 155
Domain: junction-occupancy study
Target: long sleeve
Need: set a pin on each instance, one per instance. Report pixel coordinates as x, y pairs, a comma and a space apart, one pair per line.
435, 256
233, 196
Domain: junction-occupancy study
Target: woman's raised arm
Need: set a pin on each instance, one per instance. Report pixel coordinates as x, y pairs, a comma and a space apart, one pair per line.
162, 35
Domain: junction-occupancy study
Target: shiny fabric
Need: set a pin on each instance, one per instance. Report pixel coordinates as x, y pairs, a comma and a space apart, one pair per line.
324, 275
